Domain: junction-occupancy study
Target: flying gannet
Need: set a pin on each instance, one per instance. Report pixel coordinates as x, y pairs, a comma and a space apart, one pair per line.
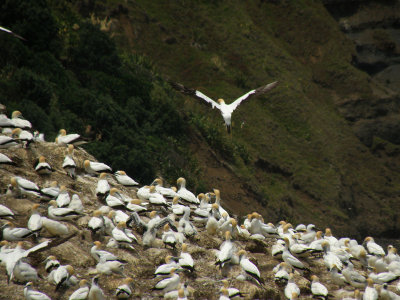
226, 109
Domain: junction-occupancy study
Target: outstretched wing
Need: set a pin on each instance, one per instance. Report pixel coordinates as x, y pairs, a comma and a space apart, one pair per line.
194, 93
256, 92
10, 32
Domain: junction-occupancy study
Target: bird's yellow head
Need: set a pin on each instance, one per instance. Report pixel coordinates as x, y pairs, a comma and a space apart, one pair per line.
221, 101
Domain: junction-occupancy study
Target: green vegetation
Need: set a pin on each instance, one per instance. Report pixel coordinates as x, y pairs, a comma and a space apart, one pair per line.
292, 153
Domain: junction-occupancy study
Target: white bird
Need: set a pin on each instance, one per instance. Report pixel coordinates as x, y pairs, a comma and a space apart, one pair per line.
226, 109
51, 263
63, 199
63, 138
76, 204
184, 193
282, 272
19, 122
290, 259
227, 249
250, 268
119, 234
165, 269
124, 291
156, 198
103, 187
168, 284
232, 292
61, 276
7, 142
52, 191
386, 294
43, 167
22, 135
82, 292
353, 277
317, 288
337, 277
124, 179
94, 168
330, 258
96, 223
69, 164
61, 213
102, 255
53, 227
24, 186
185, 260
5, 212
212, 223
35, 220
373, 248
187, 228
23, 272
168, 237
31, 294
370, 292
11, 233
95, 292
224, 294
4, 159
291, 291
108, 267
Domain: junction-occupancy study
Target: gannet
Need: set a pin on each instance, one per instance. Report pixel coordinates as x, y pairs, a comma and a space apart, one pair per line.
291, 289
96, 224
309, 235
82, 292
392, 255
166, 192
4, 159
330, 258
226, 109
124, 179
135, 206
330, 238
217, 194
35, 220
143, 193
249, 267
316, 244
370, 292
156, 198
153, 226
277, 248
124, 291
63, 138
63, 199
95, 292
113, 201
317, 288
282, 273
180, 294
108, 267
25, 187
103, 187
165, 269
232, 292
177, 208
353, 277
7, 142
185, 260
61, 213
23, 272
168, 284
34, 295
51, 263
76, 204
94, 168
299, 250
226, 252
337, 277
385, 294
212, 223
184, 193
102, 255
290, 259
224, 294
52, 191
38, 136
22, 135
187, 228
118, 233
373, 248
43, 167
168, 237
69, 164
19, 122
382, 277
55, 228
11, 233
5, 212
5, 122
60, 276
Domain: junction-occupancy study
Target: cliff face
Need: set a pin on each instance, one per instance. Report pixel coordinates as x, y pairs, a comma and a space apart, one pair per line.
322, 147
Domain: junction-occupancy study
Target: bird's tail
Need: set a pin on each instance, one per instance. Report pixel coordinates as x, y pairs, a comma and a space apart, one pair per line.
228, 128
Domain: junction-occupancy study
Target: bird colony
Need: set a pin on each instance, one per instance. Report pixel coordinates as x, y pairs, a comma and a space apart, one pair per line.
73, 228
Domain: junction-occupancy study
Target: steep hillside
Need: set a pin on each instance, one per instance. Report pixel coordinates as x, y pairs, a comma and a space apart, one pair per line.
295, 148
295, 153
